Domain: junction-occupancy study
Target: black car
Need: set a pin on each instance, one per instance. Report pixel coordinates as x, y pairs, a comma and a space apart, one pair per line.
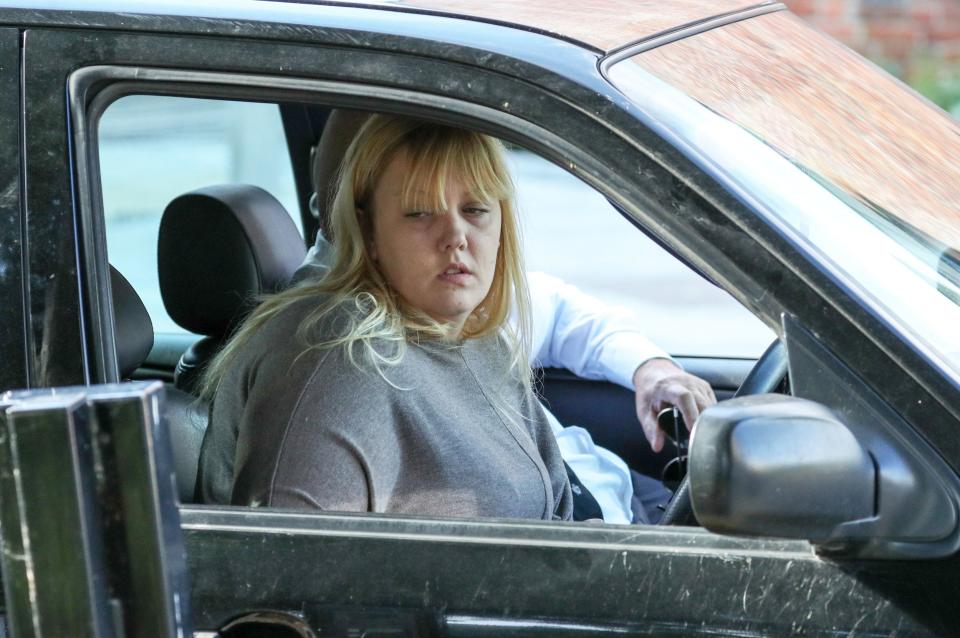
768, 160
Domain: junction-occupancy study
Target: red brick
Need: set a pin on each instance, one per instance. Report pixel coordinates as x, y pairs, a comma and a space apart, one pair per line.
842, 32
898, 51
949, 9
944, 32
881, 11
923, 19
835, 9
891, 31
803, 8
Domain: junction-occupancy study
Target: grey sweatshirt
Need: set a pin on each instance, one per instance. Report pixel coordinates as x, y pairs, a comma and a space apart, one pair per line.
454, 435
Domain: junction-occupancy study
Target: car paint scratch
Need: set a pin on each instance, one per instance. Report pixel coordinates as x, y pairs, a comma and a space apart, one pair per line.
8, 196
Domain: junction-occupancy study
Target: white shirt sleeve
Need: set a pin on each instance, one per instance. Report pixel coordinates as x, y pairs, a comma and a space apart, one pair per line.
591, 339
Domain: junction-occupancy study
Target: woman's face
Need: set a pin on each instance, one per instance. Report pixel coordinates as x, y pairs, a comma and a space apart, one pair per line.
440, 261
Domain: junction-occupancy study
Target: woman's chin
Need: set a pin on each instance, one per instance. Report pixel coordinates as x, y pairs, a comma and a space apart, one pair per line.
455, 315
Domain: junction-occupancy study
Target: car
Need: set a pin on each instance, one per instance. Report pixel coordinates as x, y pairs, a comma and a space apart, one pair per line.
766, 159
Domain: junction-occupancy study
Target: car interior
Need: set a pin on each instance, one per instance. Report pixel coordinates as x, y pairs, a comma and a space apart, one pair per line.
221, 247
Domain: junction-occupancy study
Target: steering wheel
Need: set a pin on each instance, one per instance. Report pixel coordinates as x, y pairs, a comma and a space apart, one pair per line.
765, 376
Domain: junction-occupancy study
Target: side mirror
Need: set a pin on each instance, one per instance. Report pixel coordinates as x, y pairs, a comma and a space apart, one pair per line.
775, 465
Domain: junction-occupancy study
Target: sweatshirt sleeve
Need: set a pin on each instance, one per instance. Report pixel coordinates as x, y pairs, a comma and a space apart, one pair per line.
305, 457
575, 331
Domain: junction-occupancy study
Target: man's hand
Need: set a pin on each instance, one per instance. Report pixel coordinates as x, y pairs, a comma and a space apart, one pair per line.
660, 383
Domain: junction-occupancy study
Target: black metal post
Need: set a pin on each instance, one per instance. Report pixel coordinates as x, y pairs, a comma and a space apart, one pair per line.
88, 514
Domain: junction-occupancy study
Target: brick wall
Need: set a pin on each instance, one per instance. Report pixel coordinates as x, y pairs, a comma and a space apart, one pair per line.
896, 33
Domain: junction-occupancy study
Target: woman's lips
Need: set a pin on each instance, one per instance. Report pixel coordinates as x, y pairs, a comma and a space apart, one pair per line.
455, 278
456, 274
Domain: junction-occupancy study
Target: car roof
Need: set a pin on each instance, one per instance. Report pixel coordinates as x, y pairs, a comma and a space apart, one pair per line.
600, 24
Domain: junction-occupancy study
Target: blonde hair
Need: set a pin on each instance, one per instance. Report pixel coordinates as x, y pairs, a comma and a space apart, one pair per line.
375, 312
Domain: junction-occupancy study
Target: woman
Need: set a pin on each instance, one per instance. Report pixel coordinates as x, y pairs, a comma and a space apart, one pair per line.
393, 384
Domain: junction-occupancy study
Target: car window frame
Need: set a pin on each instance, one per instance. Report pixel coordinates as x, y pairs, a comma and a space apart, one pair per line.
15, 371
126, 81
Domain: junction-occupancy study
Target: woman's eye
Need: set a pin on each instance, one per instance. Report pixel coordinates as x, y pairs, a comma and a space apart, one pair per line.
417, 214
476, 210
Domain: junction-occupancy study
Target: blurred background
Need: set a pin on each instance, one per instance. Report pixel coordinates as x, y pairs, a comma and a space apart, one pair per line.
916, 40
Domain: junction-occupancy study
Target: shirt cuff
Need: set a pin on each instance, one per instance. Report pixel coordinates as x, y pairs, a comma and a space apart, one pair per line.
623, 353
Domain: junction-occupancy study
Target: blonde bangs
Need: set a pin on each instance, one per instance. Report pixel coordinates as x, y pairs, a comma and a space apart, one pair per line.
476, 160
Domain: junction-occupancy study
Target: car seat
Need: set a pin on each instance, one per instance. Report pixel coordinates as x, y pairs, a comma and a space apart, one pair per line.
341, 127
219, 249
183, 414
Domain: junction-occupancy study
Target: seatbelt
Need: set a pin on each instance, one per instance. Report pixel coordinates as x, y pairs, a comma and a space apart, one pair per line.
585, 506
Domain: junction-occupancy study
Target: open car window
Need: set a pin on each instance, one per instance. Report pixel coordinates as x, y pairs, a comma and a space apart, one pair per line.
571, 232
155, 148
574, 233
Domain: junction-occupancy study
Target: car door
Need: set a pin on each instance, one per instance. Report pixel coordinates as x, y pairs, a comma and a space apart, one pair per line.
13, 373
424, 576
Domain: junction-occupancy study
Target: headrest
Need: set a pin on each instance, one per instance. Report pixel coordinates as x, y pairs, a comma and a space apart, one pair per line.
341, 127
132, 326
219, 248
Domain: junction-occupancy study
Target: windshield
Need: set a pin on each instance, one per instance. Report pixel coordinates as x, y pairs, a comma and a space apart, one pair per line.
849, 161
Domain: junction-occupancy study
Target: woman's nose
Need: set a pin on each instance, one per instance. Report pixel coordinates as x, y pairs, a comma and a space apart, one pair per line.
453, 234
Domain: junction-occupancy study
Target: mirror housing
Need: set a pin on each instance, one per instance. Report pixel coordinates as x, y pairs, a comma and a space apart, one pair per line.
775, 465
